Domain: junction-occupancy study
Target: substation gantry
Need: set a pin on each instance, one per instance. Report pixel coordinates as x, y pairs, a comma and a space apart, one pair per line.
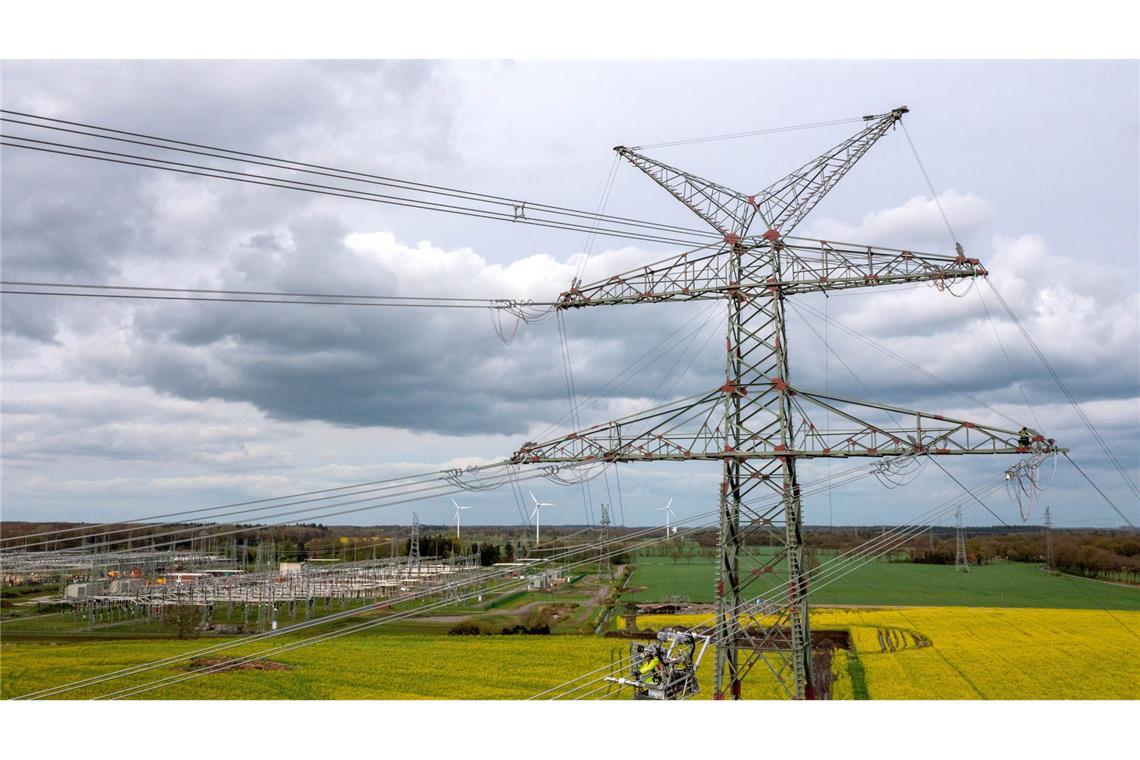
758, 424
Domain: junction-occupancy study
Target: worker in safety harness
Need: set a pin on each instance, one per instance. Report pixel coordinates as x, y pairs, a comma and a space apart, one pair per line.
1023, 437
650, 660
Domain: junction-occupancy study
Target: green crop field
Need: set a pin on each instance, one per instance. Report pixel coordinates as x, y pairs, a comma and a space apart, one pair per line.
997, 584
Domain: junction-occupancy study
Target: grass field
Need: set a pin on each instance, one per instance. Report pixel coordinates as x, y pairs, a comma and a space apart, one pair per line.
997, 584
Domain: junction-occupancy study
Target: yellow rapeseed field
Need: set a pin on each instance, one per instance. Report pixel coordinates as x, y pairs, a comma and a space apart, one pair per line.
906, 653
983, 653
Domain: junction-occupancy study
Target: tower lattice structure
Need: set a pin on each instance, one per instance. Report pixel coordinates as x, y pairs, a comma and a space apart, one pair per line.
413, 565
961, 562
1050, 562
758, 425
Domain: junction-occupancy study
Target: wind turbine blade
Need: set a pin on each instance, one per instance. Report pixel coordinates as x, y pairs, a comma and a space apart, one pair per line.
532, 497
670, 503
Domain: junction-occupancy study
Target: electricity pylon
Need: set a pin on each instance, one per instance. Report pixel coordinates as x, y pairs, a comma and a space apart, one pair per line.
1050, 563
604, 538
413, 565
961, 563
757, 424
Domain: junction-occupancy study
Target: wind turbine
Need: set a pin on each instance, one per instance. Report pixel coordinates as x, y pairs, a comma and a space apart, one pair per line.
538, 505
458, 509
668, 510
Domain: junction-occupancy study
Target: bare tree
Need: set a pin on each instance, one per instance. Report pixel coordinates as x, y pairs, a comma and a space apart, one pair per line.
183, 618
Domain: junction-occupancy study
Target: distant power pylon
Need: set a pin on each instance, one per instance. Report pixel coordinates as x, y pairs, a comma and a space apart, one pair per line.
961, 564
1050, 563
604, 542
758, 425
414, 547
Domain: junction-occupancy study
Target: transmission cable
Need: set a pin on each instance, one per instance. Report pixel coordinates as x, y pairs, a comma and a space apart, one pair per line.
1008, 362
1102, 493
697, 626
837, 568
753, 133
967, 490
1065, 390
501, 209
929, 184
246, 640
308, 513
201, 510
162, 143
905, 362
323, 637
133, 670
20, 287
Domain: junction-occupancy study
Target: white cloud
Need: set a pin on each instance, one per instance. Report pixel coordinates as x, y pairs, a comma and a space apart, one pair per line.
918, 219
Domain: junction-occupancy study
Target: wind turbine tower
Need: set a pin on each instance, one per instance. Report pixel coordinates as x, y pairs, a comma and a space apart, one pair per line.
668, 510
538, 505
458, 509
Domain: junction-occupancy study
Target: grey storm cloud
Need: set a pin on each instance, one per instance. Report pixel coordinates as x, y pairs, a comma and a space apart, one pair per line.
440, 371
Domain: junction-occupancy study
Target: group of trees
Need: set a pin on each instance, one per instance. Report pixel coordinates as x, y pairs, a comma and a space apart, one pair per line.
1109, 555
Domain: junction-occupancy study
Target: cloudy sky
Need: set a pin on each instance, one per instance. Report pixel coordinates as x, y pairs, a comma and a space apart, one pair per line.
113, 409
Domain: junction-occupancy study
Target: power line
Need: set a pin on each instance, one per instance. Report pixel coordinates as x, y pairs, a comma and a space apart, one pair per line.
128, 159
1068, 395
136, 669
1102, 493
432, 489
84, 290
905, 362
929, 184
490, 206
203, 510
329, 618
753, 133
831, 571
317, 169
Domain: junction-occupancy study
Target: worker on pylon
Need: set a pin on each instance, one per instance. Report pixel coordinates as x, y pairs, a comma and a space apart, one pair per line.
649, 663
1023, 437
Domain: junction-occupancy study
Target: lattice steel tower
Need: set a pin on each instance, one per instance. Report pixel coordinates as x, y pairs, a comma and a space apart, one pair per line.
757, 424
1050, 562
961, 563
414, 547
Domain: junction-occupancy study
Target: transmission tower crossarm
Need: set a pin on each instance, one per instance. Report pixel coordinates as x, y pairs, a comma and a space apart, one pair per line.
927, 433
727, 211
805, 266
784, 204
690, 429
